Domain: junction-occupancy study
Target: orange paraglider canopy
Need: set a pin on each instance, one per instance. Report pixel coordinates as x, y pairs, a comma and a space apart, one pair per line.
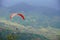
14, 14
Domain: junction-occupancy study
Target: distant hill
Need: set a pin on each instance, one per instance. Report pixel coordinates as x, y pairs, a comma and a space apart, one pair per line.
28, 8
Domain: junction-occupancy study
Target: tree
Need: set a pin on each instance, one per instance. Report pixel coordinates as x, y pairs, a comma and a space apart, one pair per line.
11, 37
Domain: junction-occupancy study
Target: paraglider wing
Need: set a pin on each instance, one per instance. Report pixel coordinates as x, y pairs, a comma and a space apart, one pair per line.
12, 15
21, 16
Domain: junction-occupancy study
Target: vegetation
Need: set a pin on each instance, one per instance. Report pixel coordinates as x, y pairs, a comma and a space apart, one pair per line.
8, 35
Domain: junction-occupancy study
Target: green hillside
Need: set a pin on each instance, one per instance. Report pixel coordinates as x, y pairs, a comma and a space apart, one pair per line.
7, 28
10, 35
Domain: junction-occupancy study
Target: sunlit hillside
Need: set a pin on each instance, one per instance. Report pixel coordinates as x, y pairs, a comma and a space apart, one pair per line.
48, 32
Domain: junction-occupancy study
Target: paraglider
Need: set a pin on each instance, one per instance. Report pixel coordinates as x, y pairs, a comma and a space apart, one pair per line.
15, 14
21, 16
12, 15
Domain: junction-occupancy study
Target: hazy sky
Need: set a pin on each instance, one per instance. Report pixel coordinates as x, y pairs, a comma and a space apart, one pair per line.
46, 3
